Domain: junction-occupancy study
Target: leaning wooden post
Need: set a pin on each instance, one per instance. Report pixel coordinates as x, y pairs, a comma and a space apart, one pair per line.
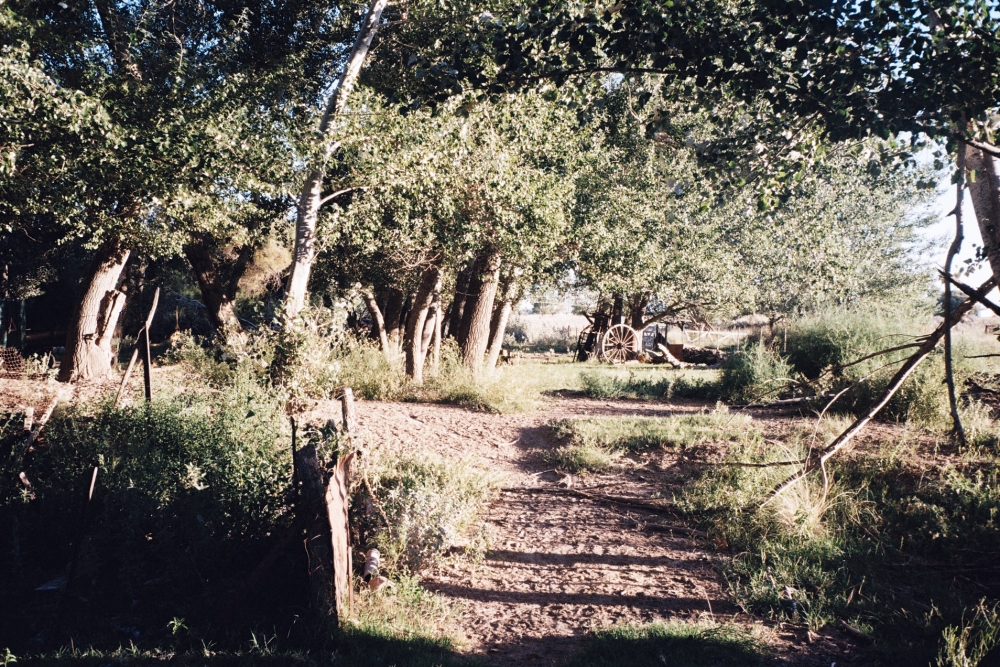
143, 338
340, 535
348, 412
318, 543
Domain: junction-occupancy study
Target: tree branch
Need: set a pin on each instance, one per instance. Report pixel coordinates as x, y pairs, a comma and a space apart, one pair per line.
816, 462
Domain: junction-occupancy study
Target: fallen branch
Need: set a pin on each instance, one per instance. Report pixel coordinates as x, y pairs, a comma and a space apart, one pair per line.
669, 528
781, 403
740, 464
894, 384
599, 497
971, 293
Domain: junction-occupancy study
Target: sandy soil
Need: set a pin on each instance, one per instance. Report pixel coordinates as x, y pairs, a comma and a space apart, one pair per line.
559, 565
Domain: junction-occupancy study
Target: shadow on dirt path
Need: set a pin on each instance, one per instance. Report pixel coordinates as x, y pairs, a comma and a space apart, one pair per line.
559, 566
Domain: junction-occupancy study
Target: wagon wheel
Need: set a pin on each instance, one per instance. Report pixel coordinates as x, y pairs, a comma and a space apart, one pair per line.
619, 344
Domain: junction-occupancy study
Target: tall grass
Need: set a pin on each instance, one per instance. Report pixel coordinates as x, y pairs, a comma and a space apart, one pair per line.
873, 548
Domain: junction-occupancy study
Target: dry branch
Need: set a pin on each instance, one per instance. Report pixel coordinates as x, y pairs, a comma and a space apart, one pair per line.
599, 497
926, 347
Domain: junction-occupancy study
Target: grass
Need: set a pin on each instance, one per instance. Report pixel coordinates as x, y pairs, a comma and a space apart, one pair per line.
877, 548
594, 443
649, 382
675, 643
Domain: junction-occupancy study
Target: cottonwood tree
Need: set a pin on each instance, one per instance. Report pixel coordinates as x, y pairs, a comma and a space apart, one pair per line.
471, 197
170, 121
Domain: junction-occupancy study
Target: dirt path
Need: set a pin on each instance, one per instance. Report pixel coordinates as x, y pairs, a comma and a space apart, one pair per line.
560, 565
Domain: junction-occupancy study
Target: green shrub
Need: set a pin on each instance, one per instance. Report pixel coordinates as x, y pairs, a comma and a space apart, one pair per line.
187, 492
429, 506
839, 336
756, 374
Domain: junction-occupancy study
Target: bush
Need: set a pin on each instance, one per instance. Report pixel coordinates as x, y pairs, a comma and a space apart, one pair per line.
187, 492
429, 506
756, 374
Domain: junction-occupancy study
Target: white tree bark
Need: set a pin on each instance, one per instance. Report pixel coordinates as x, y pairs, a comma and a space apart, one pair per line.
984, 191
312, 189
88, 354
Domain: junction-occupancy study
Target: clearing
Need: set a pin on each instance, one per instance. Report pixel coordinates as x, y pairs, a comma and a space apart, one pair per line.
560, 564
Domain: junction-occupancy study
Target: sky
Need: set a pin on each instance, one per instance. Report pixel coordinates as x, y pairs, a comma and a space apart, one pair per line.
943, 231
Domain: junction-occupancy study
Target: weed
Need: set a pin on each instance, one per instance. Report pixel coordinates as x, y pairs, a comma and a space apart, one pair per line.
430, 506
965, 644
673, 643
406, 611
756, 374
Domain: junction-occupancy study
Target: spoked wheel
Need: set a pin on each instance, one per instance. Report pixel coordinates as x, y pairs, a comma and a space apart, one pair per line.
619, 344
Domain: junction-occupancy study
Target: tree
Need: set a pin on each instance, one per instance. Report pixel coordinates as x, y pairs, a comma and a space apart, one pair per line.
481, 192
171, 125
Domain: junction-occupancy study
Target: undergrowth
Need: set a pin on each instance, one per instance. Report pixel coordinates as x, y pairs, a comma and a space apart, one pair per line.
874, 546
593, 443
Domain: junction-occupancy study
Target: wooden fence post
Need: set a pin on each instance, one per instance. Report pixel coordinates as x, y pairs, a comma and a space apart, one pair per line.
318, 541
347, 411
141, 342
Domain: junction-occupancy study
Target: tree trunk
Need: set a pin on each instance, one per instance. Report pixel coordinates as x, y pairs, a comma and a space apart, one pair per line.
637, 310
310, 199
499, 327
218, 303
472, 289
458, 303
984, 192
956, 246
393, 310
376, 312
433, 316
414, 339
88, 354
618, 310
481, 312
436, 341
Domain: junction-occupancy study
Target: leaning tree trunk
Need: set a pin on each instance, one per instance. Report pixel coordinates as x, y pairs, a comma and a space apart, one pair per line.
477, 337
984, 191
378, 322
414, 339
218, 304
499, 327
88, 354
310, 199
